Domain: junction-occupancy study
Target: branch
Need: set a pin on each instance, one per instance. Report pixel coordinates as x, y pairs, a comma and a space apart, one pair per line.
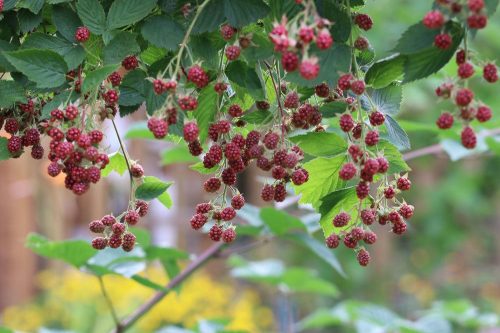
208, 254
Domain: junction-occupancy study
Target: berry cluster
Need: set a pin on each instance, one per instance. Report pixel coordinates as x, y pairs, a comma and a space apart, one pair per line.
114, 230
473, 14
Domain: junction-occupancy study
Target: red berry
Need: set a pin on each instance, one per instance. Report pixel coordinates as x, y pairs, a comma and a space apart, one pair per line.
233, 52
132, 217
142, 207
195, 148
370, 237
483, 113
465, 70
115, 78
191, 132
306, 34
229, 235
289, 61
238, 201
403, 184
322, 90
445, 120
128, 242
235, 110
468, 137
299, 177
406, 211
389, 192
220, 87
227, 32
197, 75
361, 43
433, 19
475, 5
212, 184
158, 127
228, 176
477, 21
444, 90
324, 40
332, 241
377, 118
198, 221
82, 34
99, 243
14, 144
215, 233
443, 41
464, 97
267, 193
228, 214
115, 241
358, 87
309, 68
357, 233
350, 242
363, 21
490, 73
362, 190
187, 103
136, 170
383, 164
37, 152
71, 112
118, 228
97, 227
371, 166
399, 228
344, 82
223, 126
372, 138
271, 140
341, 220
279, 192
348, 171
346, 122
130, 63
11, 126
108, 220
460, 57
363, 257
368, 216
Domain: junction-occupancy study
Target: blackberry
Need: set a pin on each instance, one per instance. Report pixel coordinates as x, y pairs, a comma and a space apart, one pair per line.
433, 19
406, 210
341, 220
403, 183
115, 241
348, 171
118, 228
332, 241
128, 242
136, 170
368, 216
445, 120
229, 235
289, 61
227, 214
99, 243
132, 217
198, 221
309, 68
212, 184
204, 208
228, 176
97, 227
362, 190
363, 257
372, 138
215, 233
142, 207
363, 21
191, 132
130, 63
370, 237
279, 192
267, 193
238, 201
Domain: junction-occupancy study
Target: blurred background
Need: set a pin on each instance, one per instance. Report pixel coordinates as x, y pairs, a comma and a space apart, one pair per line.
448, 263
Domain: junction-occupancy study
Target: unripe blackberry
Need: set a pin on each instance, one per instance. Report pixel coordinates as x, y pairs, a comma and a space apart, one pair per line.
290, 160
289, 61
198, 76
332, 241
406, 211
72, 134
403, 183
468, 137
238, 201
228, 176
357, 131
279, 157
96, 136
490, 73
389, 192
299, 177
198, 221
370, 237
357, 233
350, 242
362, 190
227, 32
344, 82
363, 21
115, 78
477, 21
212, 184
262, 105
371, 166
237, 165
252, 139
71, 112
204, 208
97, 227
348, 171
93, 174
136, 170
361, 43
324, 40
483, 113
232, 52
377, 118
444, 90
195, 148
322, 90
37, 152
433, 19
53, 169
239, 141
158, 127
118, 228
82, 34
99, 243
465, 70
228, 213
235, 110
394, 217
309, 68
215, 233
220, 87
271, 140
475, 5
267, 193
279, 192
443, 41
363, 257
229, 235
460, 57
372, 138
383, 219
130, 63
383, 164
399, 228
306, 34
191, 131
187, 103
264, 164
142, 207
358, 87
128, 242
216, 216
445, 120
346, 122
31, 137
355, 152
223, 126
341, 220
232, 151
14, 144
278, 172
132, 217
115, 241
291, 100
368, 216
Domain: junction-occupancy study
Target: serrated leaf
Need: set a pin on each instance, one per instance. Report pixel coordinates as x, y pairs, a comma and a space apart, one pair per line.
323, 144
116, 163
385, 71
206, 47
92, 15
330, 110
96, 77
258, 117
491, 6
335, 202
154, 32
122, 45
5, 65
416, 38
395, 134
10, 93
396, 162
366, 56
339, 15
210, 18
245, 77
280, 222
261, 48
74, 252
323, 179
387, 100
126, 12
206, 110
66, 22
154, 102
333, 62
4, 151
44, 67
33, 5
151, 188
242, 12
28, 21
132, 89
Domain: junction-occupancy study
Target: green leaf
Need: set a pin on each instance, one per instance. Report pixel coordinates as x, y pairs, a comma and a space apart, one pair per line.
416, 38
151, 188
325, 144
126, 12
44, 67
165, 253
74, 252
386, 71
154, 32
139, 130
206, 47
132, 89
395, 134
339, 15
396, 162
200, 168
116, 163
243, 12
261, 48
246, 77
28, 21
165, 200
387, 100
122, 45
332, 204
491, 6
117, 261
366, 56
10, 93
258, 117
154, 102
95, 78
206, 110
58, 101
333, 62
177, 154
5, 65
210, 18
323, 178
330, 110
92, 15
279, 221
4, 151
33, 5
66, 22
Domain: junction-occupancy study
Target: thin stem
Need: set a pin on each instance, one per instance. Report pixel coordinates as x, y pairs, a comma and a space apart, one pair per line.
127, 161
108, 301
278, 98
